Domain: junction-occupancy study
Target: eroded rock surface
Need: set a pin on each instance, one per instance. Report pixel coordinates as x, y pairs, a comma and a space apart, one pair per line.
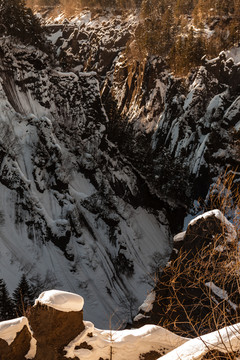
53, 330
18, 348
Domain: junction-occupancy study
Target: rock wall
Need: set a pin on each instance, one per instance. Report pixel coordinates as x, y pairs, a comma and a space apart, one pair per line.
75, 213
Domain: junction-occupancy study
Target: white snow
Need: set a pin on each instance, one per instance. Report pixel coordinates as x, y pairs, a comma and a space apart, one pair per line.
55, 36
124, 344
224, 340
10, 328
61, 300
140, 316
199, 154
179, 237
222, 294
233, 53
148, 303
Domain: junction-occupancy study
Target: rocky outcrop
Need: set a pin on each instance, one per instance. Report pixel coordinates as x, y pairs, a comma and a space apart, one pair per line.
53, 330
200, 121
199, 281
58, 332
15, 339
74, 207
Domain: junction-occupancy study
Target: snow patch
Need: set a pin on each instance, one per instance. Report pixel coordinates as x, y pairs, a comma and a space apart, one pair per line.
10, 328
233, 53
224, 340
61, 300
222, 294
179, 237
140, 316
124, 344
148, 303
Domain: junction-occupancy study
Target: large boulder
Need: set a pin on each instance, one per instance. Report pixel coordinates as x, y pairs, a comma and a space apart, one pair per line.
200, 283
56, 319
201, 230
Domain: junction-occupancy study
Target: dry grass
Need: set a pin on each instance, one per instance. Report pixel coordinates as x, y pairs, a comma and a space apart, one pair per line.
224, 195
188, 302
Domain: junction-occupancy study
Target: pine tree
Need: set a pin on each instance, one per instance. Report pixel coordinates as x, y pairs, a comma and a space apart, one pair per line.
23, 296
6, 304
18, 20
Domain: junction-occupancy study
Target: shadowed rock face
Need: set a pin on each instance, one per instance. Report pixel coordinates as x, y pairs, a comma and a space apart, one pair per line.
18, 348
53, 330
198, 275
201, 233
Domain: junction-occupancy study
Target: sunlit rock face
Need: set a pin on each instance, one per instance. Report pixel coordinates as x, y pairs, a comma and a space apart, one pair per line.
56, 320
15, 339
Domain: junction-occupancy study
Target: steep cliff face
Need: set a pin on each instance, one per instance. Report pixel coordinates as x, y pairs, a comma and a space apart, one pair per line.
73, 209
99, 154
154, 117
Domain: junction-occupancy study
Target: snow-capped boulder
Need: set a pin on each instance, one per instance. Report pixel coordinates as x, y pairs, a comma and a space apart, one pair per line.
61, 300
56, 319
200, 271
205, 227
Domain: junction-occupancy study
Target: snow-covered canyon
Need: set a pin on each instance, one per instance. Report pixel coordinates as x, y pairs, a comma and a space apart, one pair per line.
68, 215
78, 211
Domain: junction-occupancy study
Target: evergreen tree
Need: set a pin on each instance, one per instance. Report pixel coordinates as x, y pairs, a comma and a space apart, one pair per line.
23, 296
18, 20
6, 304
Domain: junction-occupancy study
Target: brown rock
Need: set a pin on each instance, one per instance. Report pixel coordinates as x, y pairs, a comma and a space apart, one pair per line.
18, 348
53, 330
200, 233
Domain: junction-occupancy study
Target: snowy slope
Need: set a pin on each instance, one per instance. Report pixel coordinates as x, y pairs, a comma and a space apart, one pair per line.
75, 212
70, 214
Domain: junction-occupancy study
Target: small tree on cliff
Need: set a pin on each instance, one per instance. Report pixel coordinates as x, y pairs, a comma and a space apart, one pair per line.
6, 304
23, 296
19, 21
